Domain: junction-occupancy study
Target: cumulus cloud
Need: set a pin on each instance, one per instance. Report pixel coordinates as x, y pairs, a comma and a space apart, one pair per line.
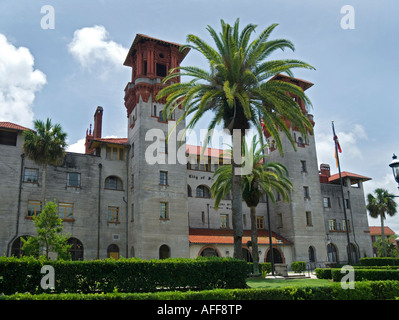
19, 82
77, 147
91, 46
348, 140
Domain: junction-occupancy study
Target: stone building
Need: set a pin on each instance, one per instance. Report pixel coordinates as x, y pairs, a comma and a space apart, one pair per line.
143, 196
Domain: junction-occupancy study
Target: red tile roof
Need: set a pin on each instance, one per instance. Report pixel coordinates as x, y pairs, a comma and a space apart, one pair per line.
111, 140
376, 231
13, 126
221, 236
354, 176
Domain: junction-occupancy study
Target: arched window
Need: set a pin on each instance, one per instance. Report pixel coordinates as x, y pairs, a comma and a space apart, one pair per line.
16, 248
203, 192
113, 183
246, 254
354, 253
76, 250
113, 251
332, 253
164, 252
312, 255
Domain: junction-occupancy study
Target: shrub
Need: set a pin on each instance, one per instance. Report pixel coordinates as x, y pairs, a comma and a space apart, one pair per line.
298, 266
323, 273
383, 261
366, 290
124, 275
367, 274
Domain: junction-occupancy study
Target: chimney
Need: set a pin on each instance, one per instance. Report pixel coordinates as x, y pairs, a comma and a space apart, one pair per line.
324, 172
98, 120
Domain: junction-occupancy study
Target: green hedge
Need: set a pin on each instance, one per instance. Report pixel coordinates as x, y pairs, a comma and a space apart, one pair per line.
360, 274
124, 275
384, 261
366, 290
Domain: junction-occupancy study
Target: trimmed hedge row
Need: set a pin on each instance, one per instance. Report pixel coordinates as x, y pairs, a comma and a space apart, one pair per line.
124, 275
360, 274
381, 261
366, 290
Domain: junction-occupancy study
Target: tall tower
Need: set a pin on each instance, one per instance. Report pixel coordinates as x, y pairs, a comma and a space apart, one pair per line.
301, 221
158, 218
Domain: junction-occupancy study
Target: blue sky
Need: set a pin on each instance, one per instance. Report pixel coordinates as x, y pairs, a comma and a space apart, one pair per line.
66, 72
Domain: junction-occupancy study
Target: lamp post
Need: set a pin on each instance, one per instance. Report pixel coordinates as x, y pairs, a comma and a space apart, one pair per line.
395, 168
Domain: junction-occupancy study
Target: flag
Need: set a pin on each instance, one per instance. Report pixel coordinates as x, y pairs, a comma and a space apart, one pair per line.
337, 146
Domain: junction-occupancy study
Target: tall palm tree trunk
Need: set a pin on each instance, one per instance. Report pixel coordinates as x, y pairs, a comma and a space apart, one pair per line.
236, 203
254, 239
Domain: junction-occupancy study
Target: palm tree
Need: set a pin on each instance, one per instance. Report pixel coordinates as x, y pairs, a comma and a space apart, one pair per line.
265, 177
45, 146
378, 206
237, 92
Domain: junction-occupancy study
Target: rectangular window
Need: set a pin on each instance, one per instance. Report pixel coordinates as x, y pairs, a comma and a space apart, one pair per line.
332, 225
303, 165
326, 202
280, 220
308, 219
73, 179
8, 138
306, 192
31, 175
347, 204
344, 225
260, 222
65, 210
114, 153
34, 208
163, 178
224, 221
163, 211
113, 214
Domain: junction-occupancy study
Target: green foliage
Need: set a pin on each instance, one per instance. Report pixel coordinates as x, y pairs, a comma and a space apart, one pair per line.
49, 238
124, 275
45, 145
366, 290
298, 266
382, 261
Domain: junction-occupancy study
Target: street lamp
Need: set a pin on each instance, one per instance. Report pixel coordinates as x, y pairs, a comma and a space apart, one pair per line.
395, 168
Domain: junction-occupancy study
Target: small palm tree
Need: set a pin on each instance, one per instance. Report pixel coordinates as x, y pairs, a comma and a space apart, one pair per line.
239, 92
45, 146
380, 205
265, 177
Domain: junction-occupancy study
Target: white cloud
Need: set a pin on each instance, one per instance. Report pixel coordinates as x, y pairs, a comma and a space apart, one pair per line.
348, 141
19, 83
91, 47
78, 146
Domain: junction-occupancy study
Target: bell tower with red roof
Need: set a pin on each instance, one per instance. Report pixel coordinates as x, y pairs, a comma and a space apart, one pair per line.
158, 186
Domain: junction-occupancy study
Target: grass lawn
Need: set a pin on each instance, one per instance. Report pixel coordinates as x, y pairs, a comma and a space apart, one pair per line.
277, 283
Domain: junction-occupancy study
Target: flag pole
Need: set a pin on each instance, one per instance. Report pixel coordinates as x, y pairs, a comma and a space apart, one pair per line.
349, 251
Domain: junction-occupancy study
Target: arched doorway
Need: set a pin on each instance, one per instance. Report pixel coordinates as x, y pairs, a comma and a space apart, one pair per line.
332, 253
312, 254
76, 250
209, 252
164, 252
277, 256
113, 251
